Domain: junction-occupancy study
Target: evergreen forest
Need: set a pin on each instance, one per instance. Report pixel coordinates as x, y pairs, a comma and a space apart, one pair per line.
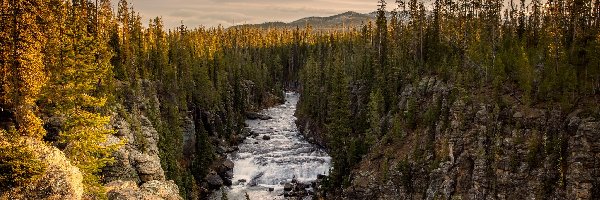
68, 68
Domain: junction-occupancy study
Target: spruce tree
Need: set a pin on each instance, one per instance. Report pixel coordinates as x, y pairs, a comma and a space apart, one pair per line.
22, 67
77, 93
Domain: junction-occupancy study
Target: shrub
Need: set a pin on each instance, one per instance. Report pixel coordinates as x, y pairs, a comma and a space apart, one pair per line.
406, 177
18, 163
410, 113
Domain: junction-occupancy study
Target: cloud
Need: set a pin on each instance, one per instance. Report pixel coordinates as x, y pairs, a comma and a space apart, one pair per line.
210, 13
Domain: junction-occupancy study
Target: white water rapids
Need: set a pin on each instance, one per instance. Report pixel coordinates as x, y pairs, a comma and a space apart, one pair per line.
265, 164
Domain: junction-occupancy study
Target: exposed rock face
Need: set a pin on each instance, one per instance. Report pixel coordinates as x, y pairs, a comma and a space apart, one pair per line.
138, 159
477, 149
189, 137
137, 162
148, 167
583, 173
206, 135
125, 190
61, 180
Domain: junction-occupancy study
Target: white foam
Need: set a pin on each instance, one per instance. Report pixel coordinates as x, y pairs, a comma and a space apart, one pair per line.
272, 162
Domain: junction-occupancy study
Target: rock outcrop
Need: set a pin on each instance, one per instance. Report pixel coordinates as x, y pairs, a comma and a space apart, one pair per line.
468, 147
151, 190
137, 172
199, 138
61, 180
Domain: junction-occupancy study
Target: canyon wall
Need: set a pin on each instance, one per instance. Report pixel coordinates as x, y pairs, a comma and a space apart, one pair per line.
465, 146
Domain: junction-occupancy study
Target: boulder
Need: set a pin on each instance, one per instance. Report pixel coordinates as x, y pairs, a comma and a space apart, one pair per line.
266, 137
288, 187
227, 181
300, 186
164, 189
254, 134
214, 180
151, 190
148, 166
123, 190
228, 164
61, 180
264, 117
254, 116
228, 175
320, 176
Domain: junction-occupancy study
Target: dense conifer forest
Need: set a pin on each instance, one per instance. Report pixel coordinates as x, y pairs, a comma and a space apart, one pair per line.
537, 54
68, 66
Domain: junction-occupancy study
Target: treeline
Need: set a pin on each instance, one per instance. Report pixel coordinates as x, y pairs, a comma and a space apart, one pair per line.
222, 72
545, 54
55, 66
67, 66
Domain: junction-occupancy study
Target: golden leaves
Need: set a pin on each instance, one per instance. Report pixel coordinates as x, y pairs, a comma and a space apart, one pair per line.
24, 74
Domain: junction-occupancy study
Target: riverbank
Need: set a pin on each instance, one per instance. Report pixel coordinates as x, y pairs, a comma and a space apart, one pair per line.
275, 158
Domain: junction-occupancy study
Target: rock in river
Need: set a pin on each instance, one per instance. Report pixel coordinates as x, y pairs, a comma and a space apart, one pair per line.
288, 187
266, 137
214, 180
275, 153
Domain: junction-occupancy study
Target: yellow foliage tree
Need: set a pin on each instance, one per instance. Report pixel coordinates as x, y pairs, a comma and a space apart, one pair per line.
22, 71
79, 69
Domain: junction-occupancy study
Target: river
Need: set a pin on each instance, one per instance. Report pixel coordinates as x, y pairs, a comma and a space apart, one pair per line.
264, 164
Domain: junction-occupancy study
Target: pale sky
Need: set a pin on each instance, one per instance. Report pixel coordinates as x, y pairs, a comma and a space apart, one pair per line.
211, 13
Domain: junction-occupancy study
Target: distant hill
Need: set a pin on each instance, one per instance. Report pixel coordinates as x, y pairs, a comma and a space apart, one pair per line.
347, 19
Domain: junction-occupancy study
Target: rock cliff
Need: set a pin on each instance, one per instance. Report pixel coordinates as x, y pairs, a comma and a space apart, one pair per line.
191, 152
465, 146
60, 180
137, 172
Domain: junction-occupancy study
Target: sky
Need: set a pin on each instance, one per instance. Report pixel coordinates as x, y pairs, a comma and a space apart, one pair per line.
211, 13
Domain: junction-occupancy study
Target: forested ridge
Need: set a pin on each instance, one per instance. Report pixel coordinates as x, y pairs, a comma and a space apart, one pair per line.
71, 68
459, 99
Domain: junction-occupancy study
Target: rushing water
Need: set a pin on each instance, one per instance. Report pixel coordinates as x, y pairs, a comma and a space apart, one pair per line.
265, 164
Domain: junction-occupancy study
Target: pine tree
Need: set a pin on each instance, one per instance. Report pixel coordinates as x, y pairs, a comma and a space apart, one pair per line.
76, 91
381, 38
122, 46
338, 121
376, 113
22, 66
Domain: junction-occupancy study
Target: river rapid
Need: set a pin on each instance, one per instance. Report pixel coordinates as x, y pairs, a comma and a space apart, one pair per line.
276, 154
